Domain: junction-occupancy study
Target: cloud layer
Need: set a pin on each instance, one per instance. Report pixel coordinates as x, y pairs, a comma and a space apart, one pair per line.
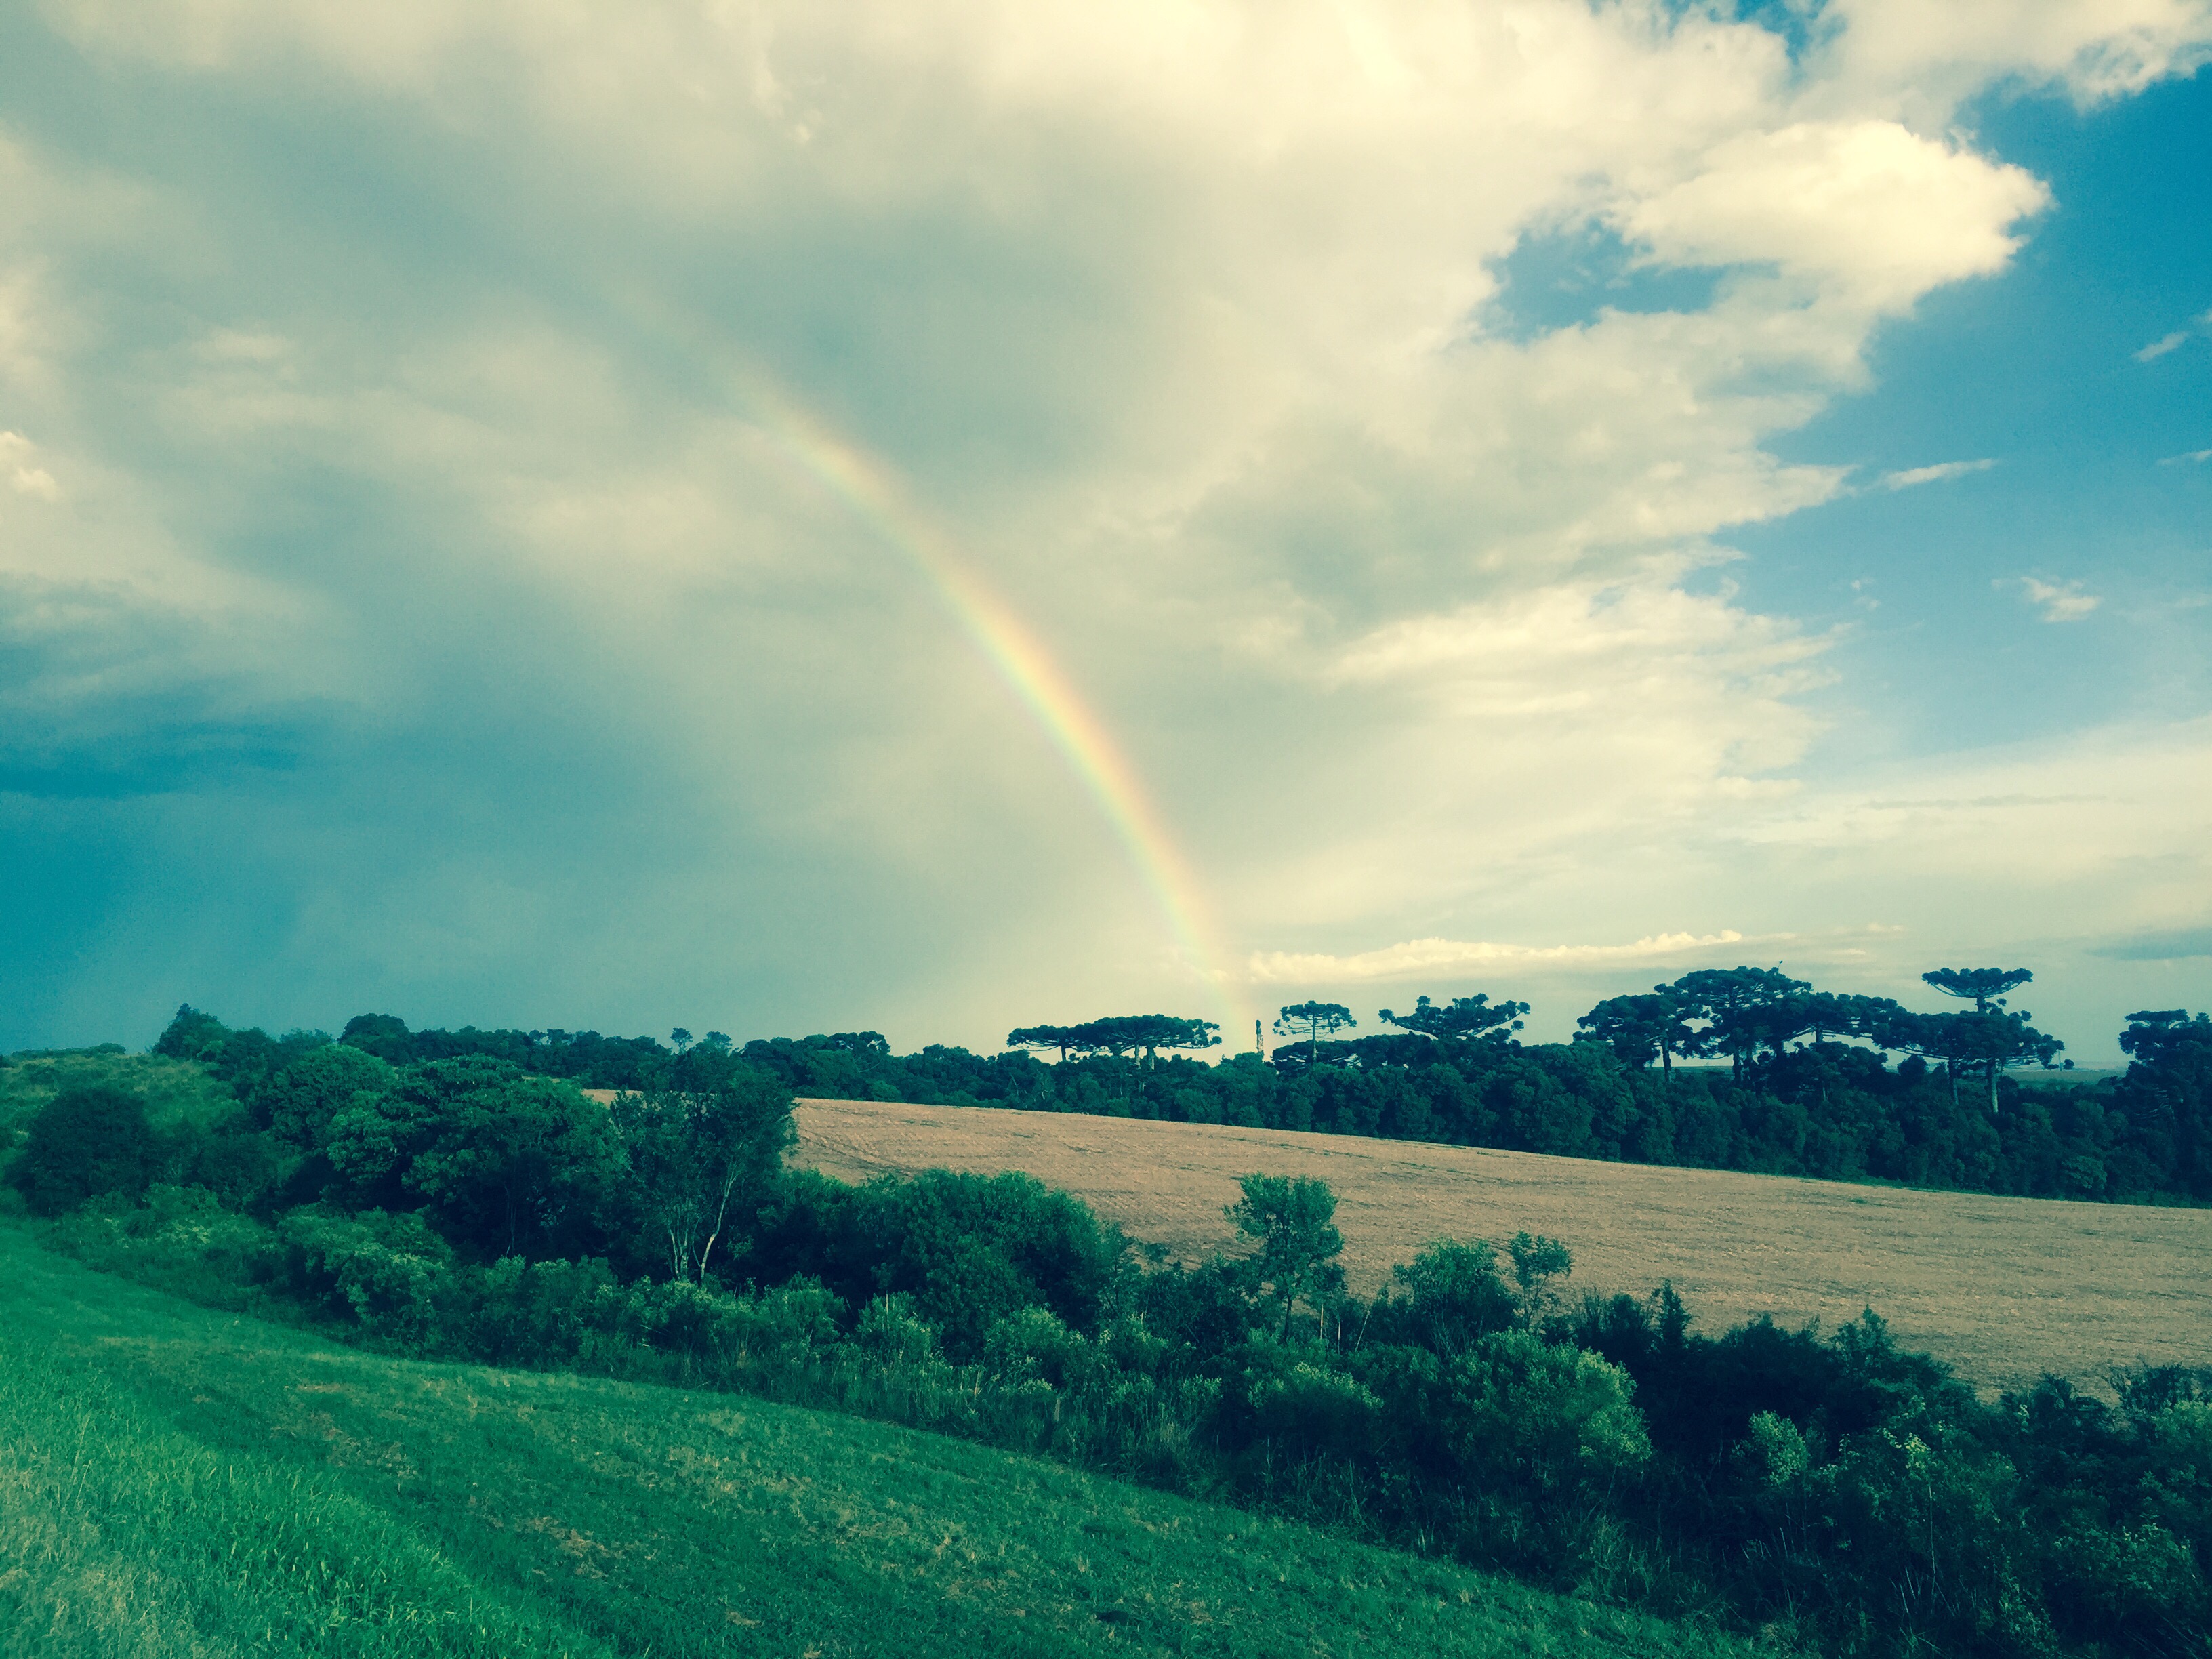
403, 536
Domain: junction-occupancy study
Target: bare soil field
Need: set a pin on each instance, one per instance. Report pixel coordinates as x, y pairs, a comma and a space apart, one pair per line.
2003, 1289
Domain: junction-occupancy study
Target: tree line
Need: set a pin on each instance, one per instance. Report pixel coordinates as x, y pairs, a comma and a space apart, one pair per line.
1815, 1084
1826, 1488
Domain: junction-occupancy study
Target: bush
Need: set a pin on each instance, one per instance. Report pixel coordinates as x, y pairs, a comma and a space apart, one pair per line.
83, 1144
1521, 1410
181, 1239
389, 1274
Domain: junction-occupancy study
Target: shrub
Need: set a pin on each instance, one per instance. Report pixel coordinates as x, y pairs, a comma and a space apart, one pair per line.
388, 1273
85, 1143
891, 1336
1520, 1411
180, 1239
1035, 1345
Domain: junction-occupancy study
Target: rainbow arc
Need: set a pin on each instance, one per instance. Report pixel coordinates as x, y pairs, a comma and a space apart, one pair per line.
1029, 671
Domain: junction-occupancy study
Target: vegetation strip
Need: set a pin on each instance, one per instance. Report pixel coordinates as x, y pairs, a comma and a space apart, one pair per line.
1821, 1489
177, 1483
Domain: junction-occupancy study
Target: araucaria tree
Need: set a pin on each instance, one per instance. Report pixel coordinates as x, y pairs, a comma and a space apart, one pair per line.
1313, 1021
1985, 987
1638, 1027
1991, 1039
1746, 1010
1462, 1019
1120, 1034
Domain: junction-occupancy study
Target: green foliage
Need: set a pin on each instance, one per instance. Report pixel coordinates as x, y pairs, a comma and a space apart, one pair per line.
391, 1273
1809, 1090
313, 1088
1446, 1299
176, 1484
1641, 1028
176, 1093
1118, 1035
1517, 1409
1462, 1019
1315, 1020
1291, 1219
700, 1162
192, 1035
1608, 1447
85, 1143
968, 1251
1985, 987
509, 1164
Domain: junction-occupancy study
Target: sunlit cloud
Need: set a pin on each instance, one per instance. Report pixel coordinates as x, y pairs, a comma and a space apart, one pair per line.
1178, 322
2060, 602
1448, 957
2158, 349
1942, 472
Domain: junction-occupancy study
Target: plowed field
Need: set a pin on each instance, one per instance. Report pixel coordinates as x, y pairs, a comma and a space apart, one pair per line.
2003, 1288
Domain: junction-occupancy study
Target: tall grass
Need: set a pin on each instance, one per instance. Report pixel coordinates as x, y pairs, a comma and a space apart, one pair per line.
175, 1482
126, 1537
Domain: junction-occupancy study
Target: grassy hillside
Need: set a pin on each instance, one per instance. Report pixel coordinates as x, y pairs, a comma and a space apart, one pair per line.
175, 1482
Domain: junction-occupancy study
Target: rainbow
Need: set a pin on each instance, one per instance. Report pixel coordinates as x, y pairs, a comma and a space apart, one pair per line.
868, 489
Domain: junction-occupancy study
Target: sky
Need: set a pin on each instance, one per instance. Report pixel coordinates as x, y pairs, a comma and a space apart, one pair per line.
778, 518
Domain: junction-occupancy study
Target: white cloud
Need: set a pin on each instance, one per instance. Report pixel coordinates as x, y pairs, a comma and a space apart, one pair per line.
1923, 56
1867, 210
1448, 958
2062, 602
1939, 473
1163, 312
2191, 455
27, 478
2158, 349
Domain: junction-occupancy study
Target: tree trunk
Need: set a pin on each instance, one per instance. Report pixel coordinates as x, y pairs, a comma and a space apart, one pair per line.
1667, 1062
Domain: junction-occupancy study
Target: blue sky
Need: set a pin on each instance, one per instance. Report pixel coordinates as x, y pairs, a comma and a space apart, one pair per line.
1544, 498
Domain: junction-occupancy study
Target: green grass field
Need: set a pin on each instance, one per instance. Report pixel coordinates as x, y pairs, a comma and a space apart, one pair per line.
175, 1482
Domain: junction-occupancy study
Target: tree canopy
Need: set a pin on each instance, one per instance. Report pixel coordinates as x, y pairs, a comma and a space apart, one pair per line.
1314, 1020
1461, 1019
1120, 1034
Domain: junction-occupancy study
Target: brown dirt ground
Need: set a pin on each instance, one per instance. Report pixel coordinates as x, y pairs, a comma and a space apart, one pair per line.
2004, 1289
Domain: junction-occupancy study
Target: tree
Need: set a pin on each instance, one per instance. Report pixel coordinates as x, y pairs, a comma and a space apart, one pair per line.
1292, 1217
385, 1036
2169, 1080
1150, 1033
1992, 1039
698, 1159
1314, 1020
1986, 987
1745, 1010
311, 1092
1061, 1037
191, 1034
1120, 1034
1639, 1027
83, 1144
510, 1164
1462, 1019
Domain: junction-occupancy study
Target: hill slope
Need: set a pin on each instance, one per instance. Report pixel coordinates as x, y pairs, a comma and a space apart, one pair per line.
175, 1482
2004, 1289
